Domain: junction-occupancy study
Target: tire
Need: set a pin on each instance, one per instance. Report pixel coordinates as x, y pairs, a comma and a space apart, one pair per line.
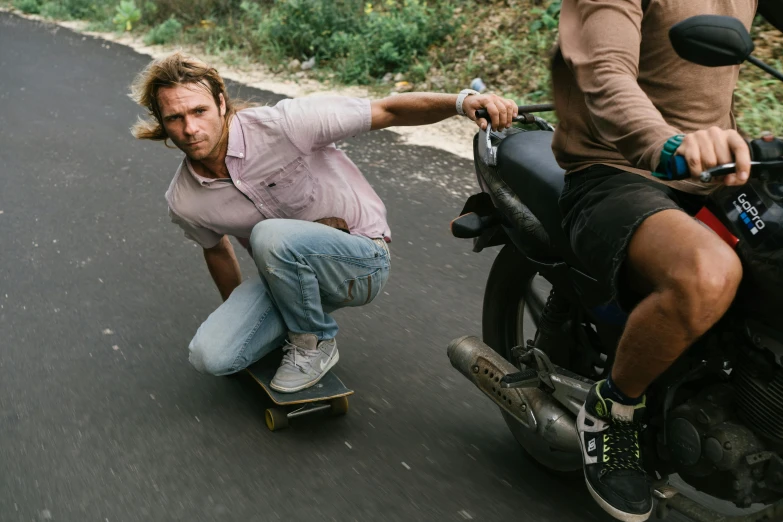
339, 406
513, 281
276, 419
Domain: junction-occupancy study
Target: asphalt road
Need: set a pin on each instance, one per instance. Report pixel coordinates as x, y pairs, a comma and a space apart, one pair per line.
101, 416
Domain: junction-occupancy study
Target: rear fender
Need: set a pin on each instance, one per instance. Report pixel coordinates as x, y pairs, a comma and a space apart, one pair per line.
522, 226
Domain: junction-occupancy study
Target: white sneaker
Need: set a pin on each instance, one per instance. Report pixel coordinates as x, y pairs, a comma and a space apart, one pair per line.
302, 367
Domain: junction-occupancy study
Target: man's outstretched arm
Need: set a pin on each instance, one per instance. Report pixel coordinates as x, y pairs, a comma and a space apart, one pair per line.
424, 108
319, 121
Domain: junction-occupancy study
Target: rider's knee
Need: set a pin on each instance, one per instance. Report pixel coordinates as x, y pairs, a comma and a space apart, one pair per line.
270, 240
263, 236
705, 285
207, 356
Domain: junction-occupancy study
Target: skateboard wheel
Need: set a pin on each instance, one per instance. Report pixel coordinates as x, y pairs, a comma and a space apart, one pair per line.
339, 405
276, 419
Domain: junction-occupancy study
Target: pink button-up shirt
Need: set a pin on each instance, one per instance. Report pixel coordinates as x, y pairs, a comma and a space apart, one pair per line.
283, 164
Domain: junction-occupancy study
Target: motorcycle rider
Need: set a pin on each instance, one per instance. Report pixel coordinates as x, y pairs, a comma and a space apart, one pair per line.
273, 178
626, 104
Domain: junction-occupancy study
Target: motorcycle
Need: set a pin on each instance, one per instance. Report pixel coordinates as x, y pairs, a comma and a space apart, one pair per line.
716, 416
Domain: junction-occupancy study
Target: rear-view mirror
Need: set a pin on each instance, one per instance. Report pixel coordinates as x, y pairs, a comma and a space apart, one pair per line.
712, 41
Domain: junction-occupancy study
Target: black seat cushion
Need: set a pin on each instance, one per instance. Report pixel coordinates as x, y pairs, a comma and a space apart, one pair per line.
527, 165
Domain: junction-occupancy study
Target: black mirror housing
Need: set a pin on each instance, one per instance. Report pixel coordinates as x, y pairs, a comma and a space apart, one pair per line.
711, 40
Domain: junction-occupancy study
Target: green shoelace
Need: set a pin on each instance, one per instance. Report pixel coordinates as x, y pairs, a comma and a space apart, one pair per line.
621, 447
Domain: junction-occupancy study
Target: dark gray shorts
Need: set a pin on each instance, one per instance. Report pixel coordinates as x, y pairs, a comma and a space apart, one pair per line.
603, 207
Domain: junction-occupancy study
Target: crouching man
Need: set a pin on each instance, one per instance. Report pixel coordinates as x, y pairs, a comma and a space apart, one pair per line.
273, 178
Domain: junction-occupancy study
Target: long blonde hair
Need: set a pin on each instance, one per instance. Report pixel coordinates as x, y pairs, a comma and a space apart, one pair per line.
176, 69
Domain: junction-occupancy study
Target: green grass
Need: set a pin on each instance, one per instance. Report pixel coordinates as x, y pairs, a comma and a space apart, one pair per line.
759, 101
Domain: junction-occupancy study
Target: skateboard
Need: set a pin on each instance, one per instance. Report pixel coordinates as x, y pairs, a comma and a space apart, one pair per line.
327, 394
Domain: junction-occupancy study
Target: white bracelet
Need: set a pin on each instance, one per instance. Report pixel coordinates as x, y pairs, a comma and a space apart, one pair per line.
464, 93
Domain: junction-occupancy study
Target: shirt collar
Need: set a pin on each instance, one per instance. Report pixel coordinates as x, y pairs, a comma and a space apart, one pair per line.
201, 180
236, 139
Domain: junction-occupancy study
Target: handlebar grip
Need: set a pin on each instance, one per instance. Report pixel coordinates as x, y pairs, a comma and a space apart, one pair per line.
524, 111
766, 149
520, 118
676, 168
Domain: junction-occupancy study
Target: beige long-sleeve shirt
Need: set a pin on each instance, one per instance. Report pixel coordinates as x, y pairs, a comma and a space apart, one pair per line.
620, 89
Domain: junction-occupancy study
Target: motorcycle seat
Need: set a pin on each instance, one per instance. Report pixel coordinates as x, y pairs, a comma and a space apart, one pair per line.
527, 165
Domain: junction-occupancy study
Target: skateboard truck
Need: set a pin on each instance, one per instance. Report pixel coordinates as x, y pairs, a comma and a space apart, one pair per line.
277, 418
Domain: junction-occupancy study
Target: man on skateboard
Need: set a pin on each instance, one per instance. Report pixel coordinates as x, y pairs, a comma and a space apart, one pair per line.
273, 178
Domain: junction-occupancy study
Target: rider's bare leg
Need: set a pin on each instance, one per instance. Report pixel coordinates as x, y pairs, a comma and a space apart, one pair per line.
690, 277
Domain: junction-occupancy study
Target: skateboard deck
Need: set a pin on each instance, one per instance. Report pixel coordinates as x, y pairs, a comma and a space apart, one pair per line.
328, 393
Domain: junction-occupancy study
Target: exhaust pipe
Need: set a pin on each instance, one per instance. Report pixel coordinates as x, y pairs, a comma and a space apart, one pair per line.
536, 410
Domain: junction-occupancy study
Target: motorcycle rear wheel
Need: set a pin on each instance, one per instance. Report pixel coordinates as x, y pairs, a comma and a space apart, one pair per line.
513, 288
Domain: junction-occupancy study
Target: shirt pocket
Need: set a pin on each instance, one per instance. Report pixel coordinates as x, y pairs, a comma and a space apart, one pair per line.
292, 188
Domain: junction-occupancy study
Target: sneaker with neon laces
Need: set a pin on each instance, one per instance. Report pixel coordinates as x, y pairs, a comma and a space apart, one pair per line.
609, 435
305, 362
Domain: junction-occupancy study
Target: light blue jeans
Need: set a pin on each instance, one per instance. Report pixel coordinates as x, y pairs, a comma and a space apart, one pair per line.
305, 272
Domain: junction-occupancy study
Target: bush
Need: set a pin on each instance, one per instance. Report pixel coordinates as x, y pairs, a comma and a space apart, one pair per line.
360, 42
67, 9
164, 33
89, 9
28, 6
547, 18
191, 12
127, 15
56, 10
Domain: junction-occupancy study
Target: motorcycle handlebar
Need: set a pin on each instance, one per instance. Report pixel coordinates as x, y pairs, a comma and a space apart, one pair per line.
524, 112
766, 152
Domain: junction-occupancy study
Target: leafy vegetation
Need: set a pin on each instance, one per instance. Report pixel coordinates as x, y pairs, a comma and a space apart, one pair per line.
28, 6
55, 10
359, 42
127, 15
164, 33
546, 18
433, 44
